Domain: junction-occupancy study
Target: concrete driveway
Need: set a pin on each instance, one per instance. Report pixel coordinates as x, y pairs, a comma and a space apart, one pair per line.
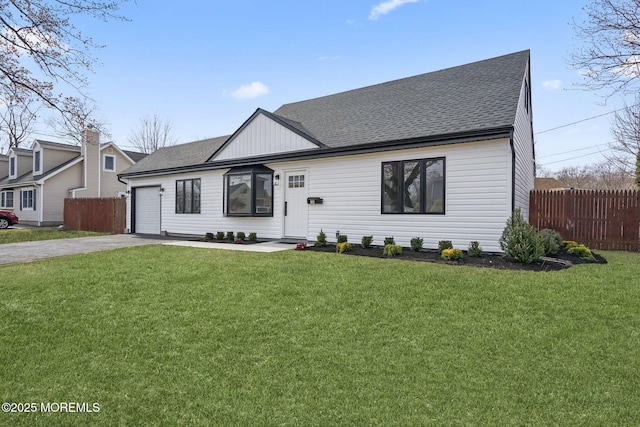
12, 253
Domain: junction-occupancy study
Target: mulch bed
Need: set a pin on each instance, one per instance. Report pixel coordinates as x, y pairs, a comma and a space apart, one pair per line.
488, 260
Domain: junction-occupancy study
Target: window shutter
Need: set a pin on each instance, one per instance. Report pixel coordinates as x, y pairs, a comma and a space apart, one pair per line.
20, 199
34, 199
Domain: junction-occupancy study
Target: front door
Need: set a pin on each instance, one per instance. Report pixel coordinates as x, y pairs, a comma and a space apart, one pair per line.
296, 212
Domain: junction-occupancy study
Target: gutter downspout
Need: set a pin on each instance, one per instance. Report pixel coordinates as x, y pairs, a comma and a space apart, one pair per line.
513, 173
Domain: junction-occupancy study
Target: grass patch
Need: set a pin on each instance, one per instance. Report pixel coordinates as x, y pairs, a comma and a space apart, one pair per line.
17, 235
182, 336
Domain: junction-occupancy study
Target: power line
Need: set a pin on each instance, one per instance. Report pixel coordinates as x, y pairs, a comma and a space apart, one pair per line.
573, 158
571, 151
580, 121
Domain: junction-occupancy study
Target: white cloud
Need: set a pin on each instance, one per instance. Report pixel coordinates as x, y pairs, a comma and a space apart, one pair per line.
552, 84
252, 90
329, 58
386, 7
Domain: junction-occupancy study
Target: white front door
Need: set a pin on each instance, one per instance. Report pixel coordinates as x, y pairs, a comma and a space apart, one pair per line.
296, 211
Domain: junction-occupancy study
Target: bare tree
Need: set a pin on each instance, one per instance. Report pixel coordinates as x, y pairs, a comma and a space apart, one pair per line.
152, 133
598, 176
84, 114
41, 33
625, 130
610, 58
18, 112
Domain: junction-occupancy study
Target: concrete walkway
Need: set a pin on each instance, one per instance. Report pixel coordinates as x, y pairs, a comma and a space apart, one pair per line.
12, 253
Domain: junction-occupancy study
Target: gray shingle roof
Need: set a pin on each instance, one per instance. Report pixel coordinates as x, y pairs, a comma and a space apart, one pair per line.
175, 156
471, 97
134, 155
58, 145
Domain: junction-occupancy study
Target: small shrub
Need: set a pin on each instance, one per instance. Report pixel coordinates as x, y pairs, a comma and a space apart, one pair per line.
321, 240
253, 237
582, 251
343, 247
366, 241
392, 250
475, 250
230, 235
568, 244
389, 241
208, 236
551, 241
238, 240
416, 244
342, 238
220, 235
444, 244
520, 241
240, 235
451, 254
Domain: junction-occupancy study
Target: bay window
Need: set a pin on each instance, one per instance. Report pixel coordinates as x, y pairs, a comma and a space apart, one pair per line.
249, 191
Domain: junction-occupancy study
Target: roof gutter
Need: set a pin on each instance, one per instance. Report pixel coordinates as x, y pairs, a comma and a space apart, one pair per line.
455, 138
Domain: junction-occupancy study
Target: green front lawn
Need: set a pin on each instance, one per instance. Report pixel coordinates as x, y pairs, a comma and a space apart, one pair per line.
161, 336
17, 235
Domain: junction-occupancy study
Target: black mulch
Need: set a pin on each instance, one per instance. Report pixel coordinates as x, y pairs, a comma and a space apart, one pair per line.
490, 260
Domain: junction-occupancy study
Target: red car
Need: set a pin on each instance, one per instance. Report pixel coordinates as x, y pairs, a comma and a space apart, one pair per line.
7, 219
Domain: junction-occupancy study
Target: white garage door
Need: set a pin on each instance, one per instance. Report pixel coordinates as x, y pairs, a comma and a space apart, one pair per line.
147, 210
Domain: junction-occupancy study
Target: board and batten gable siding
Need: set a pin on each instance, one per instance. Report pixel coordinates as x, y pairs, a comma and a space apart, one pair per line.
263, 136
524, 150
478, 198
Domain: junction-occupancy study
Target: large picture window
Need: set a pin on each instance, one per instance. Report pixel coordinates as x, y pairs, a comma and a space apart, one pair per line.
249, 192
188, 196
413, 186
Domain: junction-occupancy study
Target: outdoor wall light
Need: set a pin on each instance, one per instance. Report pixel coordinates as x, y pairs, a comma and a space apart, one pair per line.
161, 191
276, 180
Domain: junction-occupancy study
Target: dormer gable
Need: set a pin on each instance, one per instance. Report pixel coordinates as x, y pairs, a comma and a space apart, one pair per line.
20, 162
265, 133
48, 155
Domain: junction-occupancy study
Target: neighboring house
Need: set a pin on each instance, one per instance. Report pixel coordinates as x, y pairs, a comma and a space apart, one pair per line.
445, 155
39, 179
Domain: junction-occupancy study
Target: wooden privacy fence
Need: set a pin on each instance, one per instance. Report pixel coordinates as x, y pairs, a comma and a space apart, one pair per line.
106, 215
607, 220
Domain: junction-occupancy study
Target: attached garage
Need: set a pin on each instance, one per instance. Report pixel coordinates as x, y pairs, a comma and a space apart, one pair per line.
146, 213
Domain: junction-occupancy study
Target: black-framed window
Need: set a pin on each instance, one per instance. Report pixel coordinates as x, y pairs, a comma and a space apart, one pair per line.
414, 186
188, 196
249, 191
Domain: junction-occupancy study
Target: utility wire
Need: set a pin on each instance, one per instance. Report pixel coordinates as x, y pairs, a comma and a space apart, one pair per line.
580, 121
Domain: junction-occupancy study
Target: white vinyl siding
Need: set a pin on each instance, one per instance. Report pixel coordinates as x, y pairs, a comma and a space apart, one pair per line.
263, 136
477, 197
523, 145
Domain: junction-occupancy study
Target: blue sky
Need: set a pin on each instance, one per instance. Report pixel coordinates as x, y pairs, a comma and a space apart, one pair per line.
207, 65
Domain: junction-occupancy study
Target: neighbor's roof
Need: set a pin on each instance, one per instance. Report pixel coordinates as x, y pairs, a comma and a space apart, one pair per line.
476, 97
176, 156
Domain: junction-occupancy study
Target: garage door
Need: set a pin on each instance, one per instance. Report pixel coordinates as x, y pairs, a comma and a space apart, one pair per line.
147, 210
